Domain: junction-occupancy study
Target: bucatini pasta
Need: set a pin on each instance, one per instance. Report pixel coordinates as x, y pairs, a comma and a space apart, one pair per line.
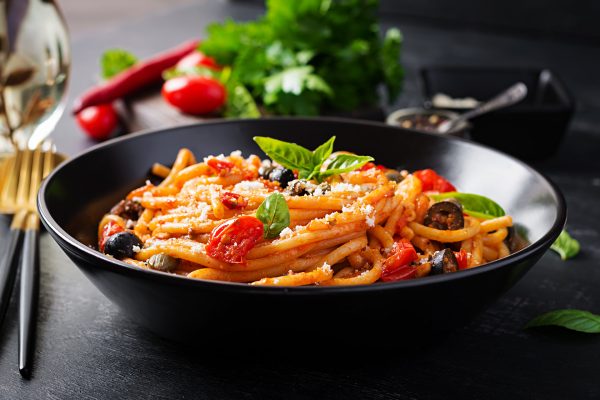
347, 221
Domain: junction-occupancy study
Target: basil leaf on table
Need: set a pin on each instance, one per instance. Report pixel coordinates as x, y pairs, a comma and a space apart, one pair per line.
473, 204
116, 60
274, 214
566, 246
576, 320
289, 155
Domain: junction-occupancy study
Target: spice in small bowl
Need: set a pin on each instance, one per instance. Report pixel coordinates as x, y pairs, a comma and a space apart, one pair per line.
425, 120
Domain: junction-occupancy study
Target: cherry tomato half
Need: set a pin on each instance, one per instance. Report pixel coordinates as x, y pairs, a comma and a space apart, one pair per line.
194, 94
402, 273
233, 201
220, 165
99, 122
232, 240
403, 253
461, 258
109, 229
198, 59
432, 181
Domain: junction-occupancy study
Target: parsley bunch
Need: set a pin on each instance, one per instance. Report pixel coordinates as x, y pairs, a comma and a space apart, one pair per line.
309, 56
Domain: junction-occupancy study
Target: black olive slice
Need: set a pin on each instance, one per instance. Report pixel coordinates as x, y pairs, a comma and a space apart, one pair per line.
121, 245
443, 262
445, 215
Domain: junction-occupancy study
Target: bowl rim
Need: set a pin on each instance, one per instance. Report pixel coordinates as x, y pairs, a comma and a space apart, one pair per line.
71, 245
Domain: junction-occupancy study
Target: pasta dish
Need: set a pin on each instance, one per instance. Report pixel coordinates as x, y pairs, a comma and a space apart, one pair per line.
301, 217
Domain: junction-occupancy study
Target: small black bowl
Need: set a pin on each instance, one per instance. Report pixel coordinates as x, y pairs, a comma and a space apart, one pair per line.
531, 129
76, 195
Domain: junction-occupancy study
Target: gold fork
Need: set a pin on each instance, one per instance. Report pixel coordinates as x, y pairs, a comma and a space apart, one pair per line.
18, 196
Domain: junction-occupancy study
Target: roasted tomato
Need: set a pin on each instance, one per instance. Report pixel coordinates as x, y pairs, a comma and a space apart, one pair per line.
432, 181
232, 240
461, 258
109, 229
233, 201
194, 94
220, 165
403, 253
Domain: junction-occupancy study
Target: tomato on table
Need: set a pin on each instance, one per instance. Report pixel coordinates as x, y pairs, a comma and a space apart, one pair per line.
432, 181
99, 122
194, 94
109, 229
397, 265
233, 239
198, 59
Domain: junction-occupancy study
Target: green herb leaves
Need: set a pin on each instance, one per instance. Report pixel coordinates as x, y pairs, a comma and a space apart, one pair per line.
274, 214
576, 320
305, 57
566, 246
116, 60
473, 204
309, 163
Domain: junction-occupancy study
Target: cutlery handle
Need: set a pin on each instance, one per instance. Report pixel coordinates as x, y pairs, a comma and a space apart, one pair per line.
28, 294
8, 264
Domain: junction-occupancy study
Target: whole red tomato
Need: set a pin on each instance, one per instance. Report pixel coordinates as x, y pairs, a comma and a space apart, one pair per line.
197, 59
99, 122
194, 94
233, 239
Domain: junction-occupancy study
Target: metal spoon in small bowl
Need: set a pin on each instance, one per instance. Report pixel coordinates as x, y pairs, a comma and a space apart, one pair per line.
510, 96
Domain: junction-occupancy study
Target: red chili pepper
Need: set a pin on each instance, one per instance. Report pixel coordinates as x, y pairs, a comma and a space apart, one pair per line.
109, 229
233, 201
136, 77
220, 165
403, 253
461, 258
432, 181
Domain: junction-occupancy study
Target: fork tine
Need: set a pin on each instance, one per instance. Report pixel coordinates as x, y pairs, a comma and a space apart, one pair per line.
24, 178
49, 161
8, 196
36, 176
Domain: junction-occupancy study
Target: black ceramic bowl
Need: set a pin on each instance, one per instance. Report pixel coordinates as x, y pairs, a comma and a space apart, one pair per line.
76, 195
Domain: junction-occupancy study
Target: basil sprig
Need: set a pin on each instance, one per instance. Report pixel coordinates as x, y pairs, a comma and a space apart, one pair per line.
309, 163
274, 214
566, 246
473, 204
576, 320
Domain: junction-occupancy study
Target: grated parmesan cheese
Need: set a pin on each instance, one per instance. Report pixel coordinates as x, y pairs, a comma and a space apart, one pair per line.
249, 185
346, 187
369, 213
136, 249
236, 153
287, 232
326, 267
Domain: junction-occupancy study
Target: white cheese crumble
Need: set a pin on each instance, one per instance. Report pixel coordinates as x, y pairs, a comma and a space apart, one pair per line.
326, 267
369, 213
204, 213
249, 185
345, 187
287, 232
236, 153
219, 157
136, 249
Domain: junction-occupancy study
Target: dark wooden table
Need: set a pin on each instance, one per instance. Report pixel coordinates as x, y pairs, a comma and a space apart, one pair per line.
87, 349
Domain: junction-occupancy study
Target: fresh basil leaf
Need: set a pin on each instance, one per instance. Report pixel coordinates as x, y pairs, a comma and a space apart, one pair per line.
116, 60
473, 204
344, 163
289, 155
321, 153
576, 320
274, 214
566, 246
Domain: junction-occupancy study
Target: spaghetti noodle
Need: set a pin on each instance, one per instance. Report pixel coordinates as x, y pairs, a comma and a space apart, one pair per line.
357, 227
